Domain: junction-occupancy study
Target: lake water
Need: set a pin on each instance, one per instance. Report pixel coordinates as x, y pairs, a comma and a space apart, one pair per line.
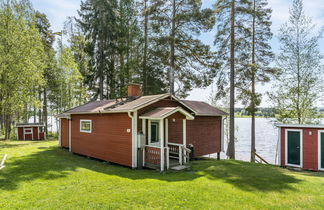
266, 139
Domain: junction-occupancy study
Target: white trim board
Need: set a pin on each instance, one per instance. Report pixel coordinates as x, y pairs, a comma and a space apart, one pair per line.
301, 147
298, 126
319, 152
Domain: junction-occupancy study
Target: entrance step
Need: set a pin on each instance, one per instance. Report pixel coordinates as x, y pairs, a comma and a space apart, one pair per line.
180, 167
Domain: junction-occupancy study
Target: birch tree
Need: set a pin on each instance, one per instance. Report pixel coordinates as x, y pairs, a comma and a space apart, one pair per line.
21, 61
299, 87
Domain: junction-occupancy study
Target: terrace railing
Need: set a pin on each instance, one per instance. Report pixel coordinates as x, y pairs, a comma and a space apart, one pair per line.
180, 152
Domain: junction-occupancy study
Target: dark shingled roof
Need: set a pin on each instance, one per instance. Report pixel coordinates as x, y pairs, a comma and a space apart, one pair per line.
204, 109
30, 124
158, 112
119, 105
92, 106
125, 105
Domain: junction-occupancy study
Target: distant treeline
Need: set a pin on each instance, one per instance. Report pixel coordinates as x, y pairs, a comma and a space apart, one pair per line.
262, 112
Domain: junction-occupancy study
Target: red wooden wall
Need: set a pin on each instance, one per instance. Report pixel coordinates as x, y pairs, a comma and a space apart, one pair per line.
310, 148
64, 133
109, 139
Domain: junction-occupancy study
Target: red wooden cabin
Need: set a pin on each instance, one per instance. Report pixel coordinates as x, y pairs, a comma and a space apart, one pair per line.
30, 131
302, 146
153, 131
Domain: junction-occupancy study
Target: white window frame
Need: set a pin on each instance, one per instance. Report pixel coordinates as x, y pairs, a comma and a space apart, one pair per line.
319, 150
301, 147
158, 133
85, 131
30, 130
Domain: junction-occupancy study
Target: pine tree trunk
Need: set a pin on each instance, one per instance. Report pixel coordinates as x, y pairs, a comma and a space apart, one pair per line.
34, 113
253, 71
101, 76
40, 110
102, 59
231, 145
122, 74
45, 111
172, 48
145, 88
298, 76
7, 127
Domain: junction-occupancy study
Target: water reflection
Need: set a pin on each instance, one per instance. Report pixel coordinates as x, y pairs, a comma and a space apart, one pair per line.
266, 139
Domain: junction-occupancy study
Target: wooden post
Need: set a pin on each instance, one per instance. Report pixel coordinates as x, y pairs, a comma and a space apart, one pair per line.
180, 155
168, 159
166, 143
70, 130
184, 131
218, 155
144, 133
162, 144
60, 131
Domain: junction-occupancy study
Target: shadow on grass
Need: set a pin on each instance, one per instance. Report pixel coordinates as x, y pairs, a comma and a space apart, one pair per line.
247, 176
54, 163
7, 144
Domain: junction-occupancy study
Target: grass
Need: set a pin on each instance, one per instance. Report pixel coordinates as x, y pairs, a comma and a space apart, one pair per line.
41, 175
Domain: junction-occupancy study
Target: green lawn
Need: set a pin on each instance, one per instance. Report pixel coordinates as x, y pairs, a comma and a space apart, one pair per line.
41, 175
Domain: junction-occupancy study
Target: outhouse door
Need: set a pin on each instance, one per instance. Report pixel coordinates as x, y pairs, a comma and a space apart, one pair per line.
321, 150
293, 145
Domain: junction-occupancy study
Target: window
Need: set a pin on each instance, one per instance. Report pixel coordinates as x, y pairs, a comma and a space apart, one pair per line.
154, 132
28, 131
85, 126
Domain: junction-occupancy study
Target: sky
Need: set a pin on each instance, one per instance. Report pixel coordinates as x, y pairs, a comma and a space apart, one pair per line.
58, 10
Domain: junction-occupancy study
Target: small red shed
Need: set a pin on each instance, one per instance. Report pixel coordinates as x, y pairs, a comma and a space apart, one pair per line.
301, 146
30, 131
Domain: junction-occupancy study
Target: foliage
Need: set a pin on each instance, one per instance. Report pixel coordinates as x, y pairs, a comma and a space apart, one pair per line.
113, 40
67, 90
183, 57
259, 55
22, 60
41, 175
223, 39
47, 38
298, 88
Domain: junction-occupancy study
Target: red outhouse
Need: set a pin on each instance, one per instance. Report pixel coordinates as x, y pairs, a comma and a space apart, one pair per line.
30, 131
301, 146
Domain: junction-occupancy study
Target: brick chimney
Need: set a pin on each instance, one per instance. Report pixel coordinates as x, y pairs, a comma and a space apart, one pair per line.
134, 90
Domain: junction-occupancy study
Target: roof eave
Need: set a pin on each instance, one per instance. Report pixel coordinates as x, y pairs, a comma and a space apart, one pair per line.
279, 125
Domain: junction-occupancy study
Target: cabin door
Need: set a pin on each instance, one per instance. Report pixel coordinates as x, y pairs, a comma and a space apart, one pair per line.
293, 145
154, 133
321, 150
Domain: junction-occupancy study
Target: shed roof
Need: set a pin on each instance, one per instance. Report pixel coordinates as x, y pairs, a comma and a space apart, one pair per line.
204, 109
163, 112
299, 126
30, 125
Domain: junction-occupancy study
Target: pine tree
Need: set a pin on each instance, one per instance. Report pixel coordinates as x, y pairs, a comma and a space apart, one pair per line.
47, 38
260, 57
231, 42
298, 87
114, 39
186, 60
